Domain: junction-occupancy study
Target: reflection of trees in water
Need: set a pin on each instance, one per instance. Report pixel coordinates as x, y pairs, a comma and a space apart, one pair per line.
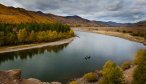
30, 53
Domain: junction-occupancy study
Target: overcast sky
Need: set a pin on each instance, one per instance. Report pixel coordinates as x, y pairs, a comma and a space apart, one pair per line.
101, 10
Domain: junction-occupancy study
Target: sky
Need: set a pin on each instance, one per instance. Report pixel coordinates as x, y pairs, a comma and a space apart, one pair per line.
122, 11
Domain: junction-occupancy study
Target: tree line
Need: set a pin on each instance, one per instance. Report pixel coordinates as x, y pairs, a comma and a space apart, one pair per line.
24, 33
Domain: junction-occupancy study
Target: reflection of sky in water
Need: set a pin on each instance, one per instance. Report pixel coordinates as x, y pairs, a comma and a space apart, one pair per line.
68, 62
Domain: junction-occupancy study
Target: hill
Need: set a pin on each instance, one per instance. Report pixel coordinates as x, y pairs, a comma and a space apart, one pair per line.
141, 23
76, 21
115, 24
19, 15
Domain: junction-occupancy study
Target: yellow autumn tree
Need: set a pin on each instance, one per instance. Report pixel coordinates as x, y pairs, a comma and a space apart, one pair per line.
32, 36
22, 35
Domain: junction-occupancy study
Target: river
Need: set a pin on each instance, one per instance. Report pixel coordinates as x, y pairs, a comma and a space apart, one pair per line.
65, 62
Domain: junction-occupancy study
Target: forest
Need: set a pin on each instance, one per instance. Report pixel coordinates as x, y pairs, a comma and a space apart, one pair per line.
26, 33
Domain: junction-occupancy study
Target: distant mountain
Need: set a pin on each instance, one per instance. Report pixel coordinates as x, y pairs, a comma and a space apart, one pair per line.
19, 15
141, 23
114, 24
76, 21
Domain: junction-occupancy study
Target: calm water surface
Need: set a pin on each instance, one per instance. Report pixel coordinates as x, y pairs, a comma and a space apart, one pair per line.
65, 62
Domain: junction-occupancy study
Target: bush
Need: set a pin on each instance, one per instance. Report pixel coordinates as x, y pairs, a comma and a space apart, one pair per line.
90, 77
126, 65
112, 74
118, 30
139, 56
124, 31
73, 82
139, 76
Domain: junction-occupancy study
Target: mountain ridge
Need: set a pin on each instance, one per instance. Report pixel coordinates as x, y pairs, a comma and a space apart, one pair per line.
20, 15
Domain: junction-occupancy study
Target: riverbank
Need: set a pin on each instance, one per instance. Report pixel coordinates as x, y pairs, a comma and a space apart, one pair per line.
128, 77
123, 35
114, 32
32, 46
14, 77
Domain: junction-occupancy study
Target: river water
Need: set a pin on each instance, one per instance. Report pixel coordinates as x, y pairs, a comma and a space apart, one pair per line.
65, 62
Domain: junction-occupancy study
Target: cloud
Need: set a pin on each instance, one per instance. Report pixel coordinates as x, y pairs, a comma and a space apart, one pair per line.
104, 10
10, 3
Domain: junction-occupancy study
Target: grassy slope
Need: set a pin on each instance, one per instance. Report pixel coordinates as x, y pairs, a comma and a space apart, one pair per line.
18, 15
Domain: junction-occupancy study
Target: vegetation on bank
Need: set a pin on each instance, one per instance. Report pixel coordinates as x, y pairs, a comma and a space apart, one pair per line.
73, 82
139, 76
139, 34
90, 77
113, 74
126, 65
25, 33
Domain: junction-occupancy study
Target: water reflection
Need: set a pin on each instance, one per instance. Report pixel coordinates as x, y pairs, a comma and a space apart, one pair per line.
61, 64
23, 55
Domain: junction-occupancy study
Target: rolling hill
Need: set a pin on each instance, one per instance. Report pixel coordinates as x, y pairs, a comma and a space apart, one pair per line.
20, 15
76, 21
141, 23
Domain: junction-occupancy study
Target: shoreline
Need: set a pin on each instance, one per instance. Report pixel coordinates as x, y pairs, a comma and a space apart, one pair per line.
126, 36
128, 77
33, 46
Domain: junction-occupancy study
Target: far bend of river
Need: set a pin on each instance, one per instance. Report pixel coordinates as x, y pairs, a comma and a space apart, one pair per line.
65, 62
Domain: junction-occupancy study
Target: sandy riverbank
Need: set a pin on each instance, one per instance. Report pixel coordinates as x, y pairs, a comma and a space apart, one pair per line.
114, 33
32, 46
123, 35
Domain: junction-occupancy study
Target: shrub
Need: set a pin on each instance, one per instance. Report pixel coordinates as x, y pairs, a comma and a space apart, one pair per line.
124, 31
112, 74
139, 76
139, 56
73, 82
90, 77
118, 30
126, 65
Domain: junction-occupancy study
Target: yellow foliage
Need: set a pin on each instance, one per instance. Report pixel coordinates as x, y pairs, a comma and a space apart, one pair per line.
73, 82
138, 56
22, 35
17, 15
90, 77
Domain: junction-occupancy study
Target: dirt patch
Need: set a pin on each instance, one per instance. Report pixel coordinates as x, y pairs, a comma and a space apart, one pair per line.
128, 74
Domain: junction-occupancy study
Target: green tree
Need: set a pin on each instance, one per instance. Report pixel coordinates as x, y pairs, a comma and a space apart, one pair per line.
1, 38
11, 38
12, 34
112, 74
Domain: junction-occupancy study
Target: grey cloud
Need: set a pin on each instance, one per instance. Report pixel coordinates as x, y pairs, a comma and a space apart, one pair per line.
105, 10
